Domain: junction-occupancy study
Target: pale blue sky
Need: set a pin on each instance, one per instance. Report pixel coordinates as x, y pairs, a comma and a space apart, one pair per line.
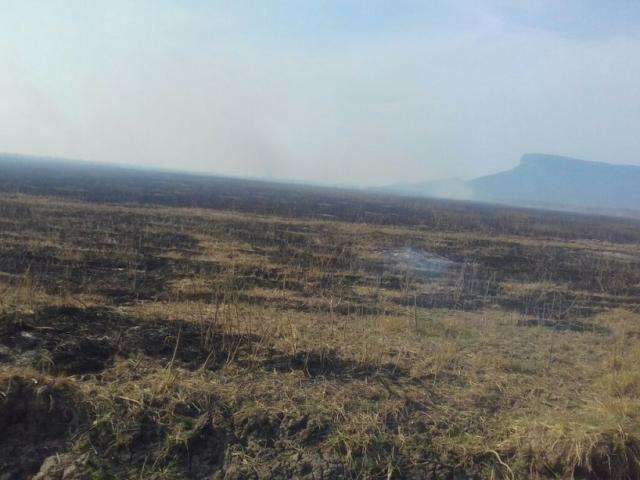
363, 92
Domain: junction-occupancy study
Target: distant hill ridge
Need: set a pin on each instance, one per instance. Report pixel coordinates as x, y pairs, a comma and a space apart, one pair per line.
562, 181
539, 181
548, 181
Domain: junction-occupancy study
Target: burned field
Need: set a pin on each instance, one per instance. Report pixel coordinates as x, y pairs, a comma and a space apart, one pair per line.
337, 336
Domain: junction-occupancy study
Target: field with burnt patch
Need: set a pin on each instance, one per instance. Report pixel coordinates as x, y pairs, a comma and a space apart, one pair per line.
332, 335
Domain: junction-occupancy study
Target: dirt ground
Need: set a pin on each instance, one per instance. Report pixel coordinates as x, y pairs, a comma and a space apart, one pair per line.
162, 342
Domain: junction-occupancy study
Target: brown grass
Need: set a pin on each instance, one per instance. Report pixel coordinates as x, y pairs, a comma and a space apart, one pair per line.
250, 346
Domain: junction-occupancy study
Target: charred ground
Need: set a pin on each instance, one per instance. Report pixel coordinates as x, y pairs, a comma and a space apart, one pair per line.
156, 325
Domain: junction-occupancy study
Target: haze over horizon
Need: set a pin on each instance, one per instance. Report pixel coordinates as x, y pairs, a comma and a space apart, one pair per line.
358, 92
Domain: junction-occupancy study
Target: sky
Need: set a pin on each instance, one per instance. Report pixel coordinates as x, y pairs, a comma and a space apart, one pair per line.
348, 92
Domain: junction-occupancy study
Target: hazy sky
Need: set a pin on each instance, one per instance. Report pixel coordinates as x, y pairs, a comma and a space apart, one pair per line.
348, 91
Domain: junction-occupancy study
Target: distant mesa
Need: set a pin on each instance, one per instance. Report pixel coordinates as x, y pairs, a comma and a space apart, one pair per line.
546, 181
563, 181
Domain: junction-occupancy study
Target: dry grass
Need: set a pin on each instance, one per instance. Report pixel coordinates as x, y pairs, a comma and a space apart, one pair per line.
247, 346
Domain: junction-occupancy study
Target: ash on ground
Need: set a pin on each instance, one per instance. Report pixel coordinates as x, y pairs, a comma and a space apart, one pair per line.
418, 263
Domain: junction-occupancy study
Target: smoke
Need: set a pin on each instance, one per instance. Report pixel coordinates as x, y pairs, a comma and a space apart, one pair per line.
335, 93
